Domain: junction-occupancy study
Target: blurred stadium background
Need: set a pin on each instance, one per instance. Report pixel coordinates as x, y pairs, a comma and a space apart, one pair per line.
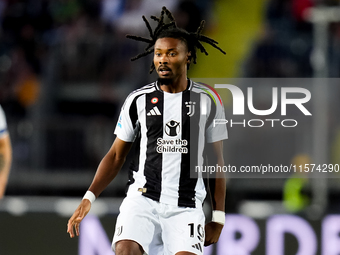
65, 71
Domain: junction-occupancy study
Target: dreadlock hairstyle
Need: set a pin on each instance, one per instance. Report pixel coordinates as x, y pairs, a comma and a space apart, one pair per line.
162, 30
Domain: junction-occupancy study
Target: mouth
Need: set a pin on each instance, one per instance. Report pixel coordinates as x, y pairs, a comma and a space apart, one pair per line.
164, 70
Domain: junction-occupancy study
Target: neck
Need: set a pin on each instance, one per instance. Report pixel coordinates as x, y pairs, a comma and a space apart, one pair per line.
175, 86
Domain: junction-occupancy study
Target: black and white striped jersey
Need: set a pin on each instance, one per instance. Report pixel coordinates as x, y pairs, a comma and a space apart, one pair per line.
171, 130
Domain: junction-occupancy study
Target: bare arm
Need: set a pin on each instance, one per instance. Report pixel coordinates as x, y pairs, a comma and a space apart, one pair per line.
220, 181
213, 229
5, 162
106, 172
110, 166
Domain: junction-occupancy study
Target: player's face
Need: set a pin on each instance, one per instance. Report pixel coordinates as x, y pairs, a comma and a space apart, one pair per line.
171, 58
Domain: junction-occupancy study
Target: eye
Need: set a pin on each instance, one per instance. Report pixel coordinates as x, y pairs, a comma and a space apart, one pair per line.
157, 54
172, 54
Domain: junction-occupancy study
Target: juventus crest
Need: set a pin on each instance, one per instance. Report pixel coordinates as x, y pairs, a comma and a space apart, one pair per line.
191, 106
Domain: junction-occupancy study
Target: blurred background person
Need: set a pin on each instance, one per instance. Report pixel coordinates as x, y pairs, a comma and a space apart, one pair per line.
5, 153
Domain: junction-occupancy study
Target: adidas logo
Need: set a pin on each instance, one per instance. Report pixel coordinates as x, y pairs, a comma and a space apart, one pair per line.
197, 246
154, 111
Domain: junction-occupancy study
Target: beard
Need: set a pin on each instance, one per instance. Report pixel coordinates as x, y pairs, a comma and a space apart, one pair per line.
164, 81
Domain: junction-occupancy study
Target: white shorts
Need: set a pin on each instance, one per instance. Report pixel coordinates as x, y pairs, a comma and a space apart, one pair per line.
160, 228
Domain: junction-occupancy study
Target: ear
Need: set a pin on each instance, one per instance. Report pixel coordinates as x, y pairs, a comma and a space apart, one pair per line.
189, 57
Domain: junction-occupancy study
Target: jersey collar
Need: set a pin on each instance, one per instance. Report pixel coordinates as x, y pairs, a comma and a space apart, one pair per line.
189, 87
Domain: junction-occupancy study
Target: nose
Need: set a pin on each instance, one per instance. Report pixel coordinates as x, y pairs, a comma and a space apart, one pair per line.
163, 60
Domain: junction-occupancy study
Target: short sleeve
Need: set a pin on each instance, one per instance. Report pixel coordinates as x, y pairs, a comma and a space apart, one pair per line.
217, 129
127, 126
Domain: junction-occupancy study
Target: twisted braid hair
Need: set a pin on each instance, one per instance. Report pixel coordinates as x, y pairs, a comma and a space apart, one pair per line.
162, 30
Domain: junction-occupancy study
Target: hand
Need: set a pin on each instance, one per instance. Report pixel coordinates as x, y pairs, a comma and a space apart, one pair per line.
212, 233
77, 217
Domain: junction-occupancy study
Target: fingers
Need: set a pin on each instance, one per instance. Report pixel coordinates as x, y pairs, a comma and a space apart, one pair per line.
74, 222
77, 217
212, 233
208, 239
209, 242
76, 227
70, 229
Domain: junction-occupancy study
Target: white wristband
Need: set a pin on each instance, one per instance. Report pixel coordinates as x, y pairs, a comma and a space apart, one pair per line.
218, 217
90, 196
